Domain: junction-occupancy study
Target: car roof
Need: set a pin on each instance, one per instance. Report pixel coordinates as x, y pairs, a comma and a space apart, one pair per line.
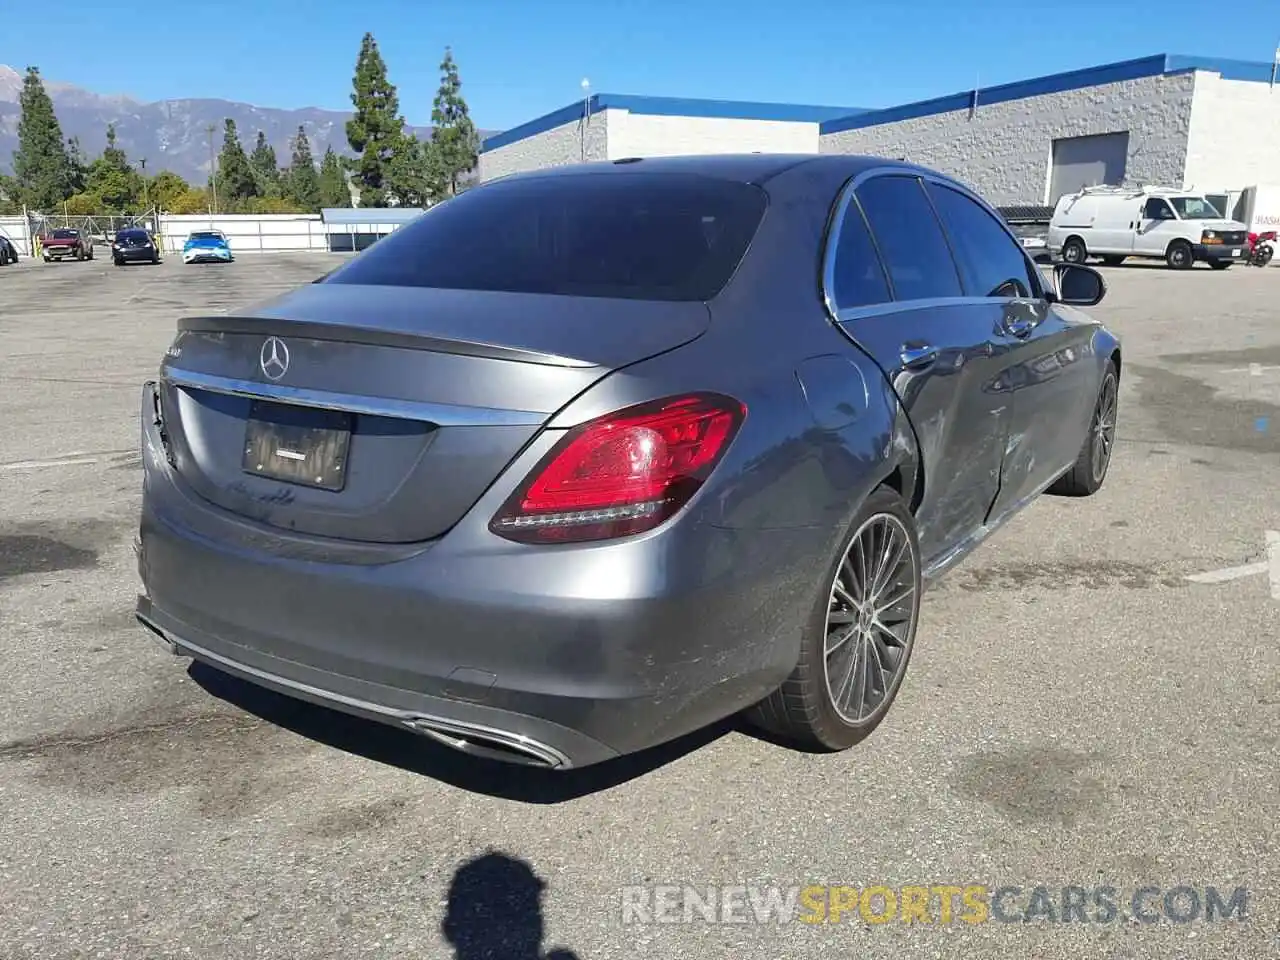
743, 167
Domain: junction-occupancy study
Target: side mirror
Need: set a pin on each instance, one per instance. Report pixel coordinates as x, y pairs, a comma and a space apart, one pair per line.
1077, 285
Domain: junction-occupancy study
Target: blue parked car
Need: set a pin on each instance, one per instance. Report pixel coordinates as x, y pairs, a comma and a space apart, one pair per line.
206, 246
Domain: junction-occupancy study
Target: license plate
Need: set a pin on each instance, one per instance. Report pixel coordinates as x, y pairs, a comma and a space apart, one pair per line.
1235, 253
299, 445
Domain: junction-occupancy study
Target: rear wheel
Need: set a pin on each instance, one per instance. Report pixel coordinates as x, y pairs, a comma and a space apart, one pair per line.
855, 648
1179, 256
1073, 251
1085, 476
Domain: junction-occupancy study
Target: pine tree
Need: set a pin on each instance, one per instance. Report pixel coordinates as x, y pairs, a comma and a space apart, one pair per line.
41, 167
265, 170
77, 165
377, 128
236, 181
413, 177
301, 182
332, 182
455, 142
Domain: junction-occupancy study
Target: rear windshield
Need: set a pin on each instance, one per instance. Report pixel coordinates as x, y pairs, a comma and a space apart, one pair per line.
132, 235
631, 236
65, 234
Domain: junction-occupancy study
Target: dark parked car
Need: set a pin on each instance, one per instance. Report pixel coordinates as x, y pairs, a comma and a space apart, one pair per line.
134, 245
584, 459
8, 252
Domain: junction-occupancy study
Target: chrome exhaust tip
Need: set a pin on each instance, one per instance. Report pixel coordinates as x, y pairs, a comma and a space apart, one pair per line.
489, 743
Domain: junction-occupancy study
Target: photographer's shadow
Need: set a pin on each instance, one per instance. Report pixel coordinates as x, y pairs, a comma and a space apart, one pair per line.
495, 910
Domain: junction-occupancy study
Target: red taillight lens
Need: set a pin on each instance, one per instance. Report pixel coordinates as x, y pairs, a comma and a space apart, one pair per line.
623, 473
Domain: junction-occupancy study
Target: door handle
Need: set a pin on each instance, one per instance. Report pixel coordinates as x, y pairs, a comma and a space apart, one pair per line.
1020, 328
915, 356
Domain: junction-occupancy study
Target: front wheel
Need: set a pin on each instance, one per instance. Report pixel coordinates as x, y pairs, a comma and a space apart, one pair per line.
1179, 255
857, 642
1086, 475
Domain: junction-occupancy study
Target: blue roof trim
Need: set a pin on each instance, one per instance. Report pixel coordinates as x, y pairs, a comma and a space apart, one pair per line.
1164, 64
670, 107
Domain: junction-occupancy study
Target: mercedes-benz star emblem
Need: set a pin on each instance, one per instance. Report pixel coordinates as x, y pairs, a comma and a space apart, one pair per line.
274, 358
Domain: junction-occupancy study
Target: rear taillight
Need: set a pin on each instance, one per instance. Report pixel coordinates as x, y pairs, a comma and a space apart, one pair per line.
623, 473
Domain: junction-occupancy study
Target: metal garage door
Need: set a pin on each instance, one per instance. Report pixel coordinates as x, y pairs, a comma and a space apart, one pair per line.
1087, 161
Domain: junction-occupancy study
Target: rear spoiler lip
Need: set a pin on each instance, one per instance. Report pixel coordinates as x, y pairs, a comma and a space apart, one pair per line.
318, 330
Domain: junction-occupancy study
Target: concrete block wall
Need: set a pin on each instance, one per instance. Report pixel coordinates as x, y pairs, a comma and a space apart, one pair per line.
1234, 139
1004, 151
647, 135
558, 146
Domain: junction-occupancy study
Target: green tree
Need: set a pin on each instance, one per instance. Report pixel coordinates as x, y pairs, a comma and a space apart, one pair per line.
455, 141
236, 180
301, 181
265, 169
414, 176
165, 188
377, 129
41, 167
78, 166
111, 185
333, 183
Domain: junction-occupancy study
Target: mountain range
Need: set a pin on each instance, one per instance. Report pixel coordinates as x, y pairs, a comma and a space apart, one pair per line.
172, 134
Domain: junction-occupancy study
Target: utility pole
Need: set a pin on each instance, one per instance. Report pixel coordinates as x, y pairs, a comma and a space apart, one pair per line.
213, 173
586, 114
146, 190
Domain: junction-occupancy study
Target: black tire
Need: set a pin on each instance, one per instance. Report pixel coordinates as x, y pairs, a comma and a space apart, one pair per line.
1220, 264
803, 709
1179, 256
1112, 261
1085, 478
1073, 251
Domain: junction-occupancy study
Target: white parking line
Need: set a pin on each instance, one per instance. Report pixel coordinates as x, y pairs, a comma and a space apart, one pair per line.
1229, 573
1273, 562
1269, 566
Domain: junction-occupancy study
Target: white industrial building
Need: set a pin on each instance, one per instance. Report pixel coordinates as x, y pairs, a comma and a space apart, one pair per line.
612, 127
1210, 124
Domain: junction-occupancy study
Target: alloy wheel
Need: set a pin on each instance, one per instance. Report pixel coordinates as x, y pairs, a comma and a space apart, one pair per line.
1104, 429
871, 619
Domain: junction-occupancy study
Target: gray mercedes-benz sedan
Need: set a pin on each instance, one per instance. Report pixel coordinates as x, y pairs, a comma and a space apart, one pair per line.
585, 459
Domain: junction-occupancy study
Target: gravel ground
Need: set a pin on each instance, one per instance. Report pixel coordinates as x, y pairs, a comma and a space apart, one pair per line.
1078, 713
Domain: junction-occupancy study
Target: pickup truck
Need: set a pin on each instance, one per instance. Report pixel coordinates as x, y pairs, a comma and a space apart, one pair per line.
65, 244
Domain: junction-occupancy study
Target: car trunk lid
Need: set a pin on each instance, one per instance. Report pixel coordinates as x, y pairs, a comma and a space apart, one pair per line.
382, 413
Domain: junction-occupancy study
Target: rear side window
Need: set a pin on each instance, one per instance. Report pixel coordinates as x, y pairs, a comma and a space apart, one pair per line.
911, 242
632, 236
991, 262
858, 276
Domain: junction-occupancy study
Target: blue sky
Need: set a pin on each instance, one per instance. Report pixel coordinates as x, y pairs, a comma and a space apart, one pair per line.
522, 58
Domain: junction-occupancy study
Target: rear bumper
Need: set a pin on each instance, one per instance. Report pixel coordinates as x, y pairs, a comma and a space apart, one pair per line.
132, 253
564, 656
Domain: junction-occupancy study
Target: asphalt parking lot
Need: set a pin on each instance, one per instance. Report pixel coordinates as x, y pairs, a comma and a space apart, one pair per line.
1078, 712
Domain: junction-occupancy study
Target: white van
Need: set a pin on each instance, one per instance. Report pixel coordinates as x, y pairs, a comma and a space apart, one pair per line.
1113, 223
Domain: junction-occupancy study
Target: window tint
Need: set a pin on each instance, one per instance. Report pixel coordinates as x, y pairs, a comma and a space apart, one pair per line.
1157, 209
629, 235
859, 278
910, 240
991, 262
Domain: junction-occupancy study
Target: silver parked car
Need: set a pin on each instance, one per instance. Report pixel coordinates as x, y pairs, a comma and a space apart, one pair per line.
585, 459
